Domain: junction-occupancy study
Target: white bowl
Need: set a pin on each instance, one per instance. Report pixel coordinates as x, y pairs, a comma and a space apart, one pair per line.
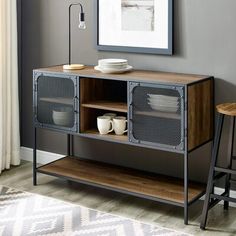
162, 102
113, 66
164, 108
62, 122
164, 97
62, 116
113, 71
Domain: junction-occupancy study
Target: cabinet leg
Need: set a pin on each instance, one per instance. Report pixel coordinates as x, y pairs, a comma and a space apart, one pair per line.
186, 214
186, 188
68, 144
35, 158
72, 145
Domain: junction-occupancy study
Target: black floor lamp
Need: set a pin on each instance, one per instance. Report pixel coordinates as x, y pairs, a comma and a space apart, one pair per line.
81, 26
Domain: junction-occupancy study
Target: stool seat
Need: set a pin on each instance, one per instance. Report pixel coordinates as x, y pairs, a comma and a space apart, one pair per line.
227, 109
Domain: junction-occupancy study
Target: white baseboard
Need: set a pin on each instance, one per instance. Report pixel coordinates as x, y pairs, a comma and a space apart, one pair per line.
42, 156
46, 157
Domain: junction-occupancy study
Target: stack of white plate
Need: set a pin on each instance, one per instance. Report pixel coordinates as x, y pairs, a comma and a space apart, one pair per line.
113, 66
163, 103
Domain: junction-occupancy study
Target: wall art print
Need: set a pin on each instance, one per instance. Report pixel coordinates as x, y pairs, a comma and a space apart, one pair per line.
141, 26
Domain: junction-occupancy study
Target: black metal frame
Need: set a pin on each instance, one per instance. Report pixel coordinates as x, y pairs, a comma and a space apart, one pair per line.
70, 152
38, 124
185, 205
180, 89
186, 169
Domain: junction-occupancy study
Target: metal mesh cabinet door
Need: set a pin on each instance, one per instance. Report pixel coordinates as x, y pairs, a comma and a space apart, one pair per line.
156, 115
55, 102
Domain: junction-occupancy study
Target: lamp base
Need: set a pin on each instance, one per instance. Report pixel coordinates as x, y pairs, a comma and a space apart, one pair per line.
73, 67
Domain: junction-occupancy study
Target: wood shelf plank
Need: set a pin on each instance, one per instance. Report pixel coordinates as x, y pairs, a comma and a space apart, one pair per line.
166, 115
135, 75
122, 178
107, 105
58, 100
111, 136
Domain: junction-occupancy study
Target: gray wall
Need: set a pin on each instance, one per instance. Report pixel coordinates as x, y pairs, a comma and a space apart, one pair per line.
204, 41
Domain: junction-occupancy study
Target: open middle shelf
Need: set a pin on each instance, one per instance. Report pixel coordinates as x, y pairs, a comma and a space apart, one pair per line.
160, 114
107, 105
99, 97
123, 179
58, 100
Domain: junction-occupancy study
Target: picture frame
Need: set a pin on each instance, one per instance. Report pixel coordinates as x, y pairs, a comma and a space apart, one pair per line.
137, 26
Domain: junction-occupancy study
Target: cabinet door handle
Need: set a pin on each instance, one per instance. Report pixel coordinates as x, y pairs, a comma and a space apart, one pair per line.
130, 111
75, 104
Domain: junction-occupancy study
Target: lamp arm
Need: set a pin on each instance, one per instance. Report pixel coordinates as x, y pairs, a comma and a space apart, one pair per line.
81, 11
76, 4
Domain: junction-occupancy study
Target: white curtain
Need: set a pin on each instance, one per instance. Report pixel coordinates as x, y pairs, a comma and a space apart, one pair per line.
9, 101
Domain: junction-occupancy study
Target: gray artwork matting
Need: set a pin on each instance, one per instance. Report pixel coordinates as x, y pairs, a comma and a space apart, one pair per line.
166, 51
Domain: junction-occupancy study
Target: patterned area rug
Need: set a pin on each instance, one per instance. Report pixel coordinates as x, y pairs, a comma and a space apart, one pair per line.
26, 214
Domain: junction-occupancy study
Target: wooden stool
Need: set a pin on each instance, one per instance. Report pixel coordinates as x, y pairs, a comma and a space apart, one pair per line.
215, 172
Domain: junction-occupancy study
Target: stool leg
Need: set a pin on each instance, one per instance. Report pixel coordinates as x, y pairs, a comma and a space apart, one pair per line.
211, 171
229, 160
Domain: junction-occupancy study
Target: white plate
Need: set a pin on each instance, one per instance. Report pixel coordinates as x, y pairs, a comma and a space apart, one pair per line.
113, 71
163, 108
112, 64
115, 67
112, 61
164, 97
162, 102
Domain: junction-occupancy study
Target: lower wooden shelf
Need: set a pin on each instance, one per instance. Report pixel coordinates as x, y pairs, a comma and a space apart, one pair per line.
93, 133
123, 179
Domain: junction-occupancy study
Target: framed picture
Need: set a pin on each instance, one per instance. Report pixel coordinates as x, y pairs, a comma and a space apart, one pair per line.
140, 26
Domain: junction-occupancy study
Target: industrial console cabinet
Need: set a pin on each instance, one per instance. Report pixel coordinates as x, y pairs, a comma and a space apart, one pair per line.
85, 94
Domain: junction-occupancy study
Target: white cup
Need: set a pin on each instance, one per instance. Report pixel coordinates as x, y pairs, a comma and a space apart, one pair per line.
119, 125
104, 124
111, 115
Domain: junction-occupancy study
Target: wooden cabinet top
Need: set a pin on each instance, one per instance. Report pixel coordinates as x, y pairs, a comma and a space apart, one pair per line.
135, 75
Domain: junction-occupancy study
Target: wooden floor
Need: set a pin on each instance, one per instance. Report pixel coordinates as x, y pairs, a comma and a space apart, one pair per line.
220, 222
